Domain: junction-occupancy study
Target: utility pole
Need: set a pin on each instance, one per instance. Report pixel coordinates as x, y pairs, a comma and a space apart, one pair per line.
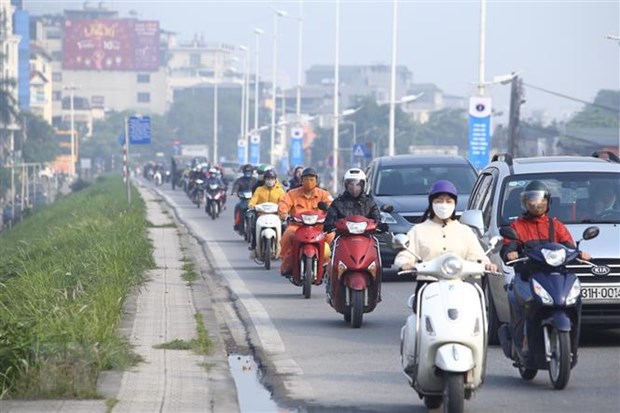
516, 100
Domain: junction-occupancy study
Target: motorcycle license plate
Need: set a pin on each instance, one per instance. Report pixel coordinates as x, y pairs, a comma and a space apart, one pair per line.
600, 293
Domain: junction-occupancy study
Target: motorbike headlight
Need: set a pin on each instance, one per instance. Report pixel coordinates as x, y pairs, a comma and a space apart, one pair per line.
356, 227
542, 293
554, 257
309, 219
451, 266
574, 293
388, 218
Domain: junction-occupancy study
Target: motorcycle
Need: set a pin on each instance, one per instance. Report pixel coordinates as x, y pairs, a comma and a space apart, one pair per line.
309, 248
240, 210
157, 178
197, 192
444, 341
549, 300
354, 274
213, 205
268, 233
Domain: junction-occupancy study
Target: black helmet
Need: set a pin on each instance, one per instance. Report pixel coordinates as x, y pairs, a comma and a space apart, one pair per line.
535, 190
247, 170
309, 172
270, 173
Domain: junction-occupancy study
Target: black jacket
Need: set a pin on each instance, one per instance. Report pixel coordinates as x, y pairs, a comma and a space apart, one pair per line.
346, 205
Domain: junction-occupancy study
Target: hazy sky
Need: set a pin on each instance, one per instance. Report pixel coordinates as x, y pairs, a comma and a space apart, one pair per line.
556, 45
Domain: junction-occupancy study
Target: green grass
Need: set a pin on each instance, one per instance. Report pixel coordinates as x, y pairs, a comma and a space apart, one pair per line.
64, 275
202, 344
189, 273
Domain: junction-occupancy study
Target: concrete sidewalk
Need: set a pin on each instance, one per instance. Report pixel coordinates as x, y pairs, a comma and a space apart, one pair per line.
176, 381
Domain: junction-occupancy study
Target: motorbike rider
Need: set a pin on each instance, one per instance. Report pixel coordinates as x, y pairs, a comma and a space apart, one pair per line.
260, 171
535, 227
270, 191
214, 176
439, 233
304, 198
353, 201
295, 181
242, 184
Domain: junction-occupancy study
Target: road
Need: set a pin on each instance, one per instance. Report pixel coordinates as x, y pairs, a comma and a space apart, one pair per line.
313, 358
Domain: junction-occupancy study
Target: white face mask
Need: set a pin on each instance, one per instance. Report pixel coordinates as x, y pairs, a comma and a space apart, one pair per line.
443, 210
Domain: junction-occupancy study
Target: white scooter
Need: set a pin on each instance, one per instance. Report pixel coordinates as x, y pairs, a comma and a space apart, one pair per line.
443, 343
268, 233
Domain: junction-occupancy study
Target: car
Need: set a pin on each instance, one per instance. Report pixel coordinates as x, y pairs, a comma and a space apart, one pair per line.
572, 182
403, 181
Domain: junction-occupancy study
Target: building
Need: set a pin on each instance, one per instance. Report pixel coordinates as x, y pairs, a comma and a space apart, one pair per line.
41, 83
9, 64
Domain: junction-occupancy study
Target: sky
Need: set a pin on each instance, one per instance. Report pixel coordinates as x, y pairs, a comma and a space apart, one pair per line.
556, 45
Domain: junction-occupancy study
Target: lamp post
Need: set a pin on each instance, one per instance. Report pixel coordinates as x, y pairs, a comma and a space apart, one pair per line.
72, 88
392, 125
244, 109
215, 111
336, 102
299, 55
257, 33
277, 14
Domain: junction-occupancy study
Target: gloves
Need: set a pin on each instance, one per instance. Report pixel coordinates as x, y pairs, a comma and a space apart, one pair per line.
383, 227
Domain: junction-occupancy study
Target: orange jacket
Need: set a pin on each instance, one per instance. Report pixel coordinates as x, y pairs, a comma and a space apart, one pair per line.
296, 201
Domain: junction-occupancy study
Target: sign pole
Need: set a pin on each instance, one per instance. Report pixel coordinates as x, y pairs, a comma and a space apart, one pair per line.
126, 166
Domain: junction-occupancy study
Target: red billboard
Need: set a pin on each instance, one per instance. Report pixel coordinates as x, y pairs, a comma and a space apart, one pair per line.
110, 44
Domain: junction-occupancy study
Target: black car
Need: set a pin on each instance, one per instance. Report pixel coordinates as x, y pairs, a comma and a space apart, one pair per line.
403, 181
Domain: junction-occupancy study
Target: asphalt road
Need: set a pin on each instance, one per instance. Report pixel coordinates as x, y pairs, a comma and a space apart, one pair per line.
316, 360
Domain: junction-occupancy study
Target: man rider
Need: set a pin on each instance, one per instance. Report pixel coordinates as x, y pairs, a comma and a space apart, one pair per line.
270, 191
214, 176
242, 184
295, 201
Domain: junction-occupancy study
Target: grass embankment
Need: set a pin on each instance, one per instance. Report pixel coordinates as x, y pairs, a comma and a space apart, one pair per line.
64, 275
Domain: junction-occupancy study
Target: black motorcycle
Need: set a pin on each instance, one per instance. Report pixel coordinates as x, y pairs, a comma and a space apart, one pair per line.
548, 298
240, 210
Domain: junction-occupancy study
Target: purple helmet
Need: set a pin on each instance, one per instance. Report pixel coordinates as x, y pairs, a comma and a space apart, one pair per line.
442, 187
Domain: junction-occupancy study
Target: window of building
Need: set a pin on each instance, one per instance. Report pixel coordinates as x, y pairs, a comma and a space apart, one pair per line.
194, 59
57, 96
144, 97
57, 76
97, 101
144, 78
57, 56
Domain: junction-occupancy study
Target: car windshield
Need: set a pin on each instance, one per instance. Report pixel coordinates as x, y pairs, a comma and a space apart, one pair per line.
575, 197
417, 179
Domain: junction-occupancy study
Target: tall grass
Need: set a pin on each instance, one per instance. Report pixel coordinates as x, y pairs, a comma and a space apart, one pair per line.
64, 275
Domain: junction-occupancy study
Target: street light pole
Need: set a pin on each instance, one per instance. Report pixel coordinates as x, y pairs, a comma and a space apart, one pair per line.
257, 32
72, 88
336, 100
392, 125
299, 55
483, 18
277, 14
242, 126
215, 99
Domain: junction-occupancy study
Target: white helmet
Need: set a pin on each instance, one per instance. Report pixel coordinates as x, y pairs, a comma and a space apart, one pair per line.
355, 174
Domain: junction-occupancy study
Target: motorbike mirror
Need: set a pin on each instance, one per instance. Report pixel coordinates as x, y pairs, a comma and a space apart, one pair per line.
387, 208
591, 232
508, 232
323, 206
400, 242
494, 244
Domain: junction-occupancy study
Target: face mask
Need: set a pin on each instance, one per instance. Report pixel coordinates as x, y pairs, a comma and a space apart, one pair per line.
270, 183
309, 184
443, 210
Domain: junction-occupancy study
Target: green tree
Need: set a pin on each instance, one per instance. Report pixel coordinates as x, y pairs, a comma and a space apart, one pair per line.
604, 113
38, 139
444, 127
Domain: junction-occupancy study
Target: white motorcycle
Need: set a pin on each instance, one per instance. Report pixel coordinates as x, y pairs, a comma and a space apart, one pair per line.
268, 233
443, 343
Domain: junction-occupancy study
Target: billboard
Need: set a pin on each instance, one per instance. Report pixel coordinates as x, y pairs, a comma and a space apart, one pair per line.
110, 44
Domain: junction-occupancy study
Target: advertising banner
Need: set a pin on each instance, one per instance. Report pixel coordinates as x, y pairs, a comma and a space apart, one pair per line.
296, 151
255, 149
479, 131
241, 151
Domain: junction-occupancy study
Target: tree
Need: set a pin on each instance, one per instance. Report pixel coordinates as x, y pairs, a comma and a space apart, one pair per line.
604, 113
444, 127
37, 139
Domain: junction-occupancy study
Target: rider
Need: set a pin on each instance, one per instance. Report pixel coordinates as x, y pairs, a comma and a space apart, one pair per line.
260, 171
304, 198
270, 191
535, 227
242, 184
295, 181
353, 201
439, 233
215, 176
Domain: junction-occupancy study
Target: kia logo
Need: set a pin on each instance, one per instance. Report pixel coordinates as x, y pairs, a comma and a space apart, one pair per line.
600, 270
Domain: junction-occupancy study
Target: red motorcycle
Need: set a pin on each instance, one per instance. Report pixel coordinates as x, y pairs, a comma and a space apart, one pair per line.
354, 275
309, 248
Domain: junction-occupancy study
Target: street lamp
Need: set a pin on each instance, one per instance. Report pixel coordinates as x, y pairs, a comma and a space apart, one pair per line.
244, 108
392, 124
299, 55
257, 33
72, 88
277, 14
336, 100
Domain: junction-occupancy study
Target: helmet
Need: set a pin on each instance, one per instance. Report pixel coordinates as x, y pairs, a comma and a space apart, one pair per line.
534, 192
262, 168
309, 172
270, 173
214, 171
355, 175
442, 187
247, 170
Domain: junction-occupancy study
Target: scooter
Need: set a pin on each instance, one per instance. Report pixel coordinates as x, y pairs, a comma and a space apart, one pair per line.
213, 206
198, 192
354, 273
240, 210
309, 248
443, 343
548, 298
268, 233
157, 178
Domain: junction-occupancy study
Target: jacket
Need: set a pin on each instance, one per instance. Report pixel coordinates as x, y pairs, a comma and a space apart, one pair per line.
243, 184
266, 194
296, 201
346, 205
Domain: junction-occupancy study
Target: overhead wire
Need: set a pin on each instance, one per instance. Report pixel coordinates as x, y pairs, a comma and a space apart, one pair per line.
596, 105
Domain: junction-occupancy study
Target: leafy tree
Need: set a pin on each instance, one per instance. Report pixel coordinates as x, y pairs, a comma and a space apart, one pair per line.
444, 127
38, 139
604, 113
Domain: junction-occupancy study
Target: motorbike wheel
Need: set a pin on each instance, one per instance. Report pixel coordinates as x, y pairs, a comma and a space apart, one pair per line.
559, 365
357, 308
527, 374
197, 198
433, 402
453, 392
267, 253
308, 276
212, 210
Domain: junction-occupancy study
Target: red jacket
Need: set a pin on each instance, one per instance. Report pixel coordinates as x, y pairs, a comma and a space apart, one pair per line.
535, 230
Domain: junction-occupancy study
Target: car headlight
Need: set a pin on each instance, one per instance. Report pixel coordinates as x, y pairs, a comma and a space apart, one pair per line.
554, 257
451, 266
542, 293
388, 218
574, 293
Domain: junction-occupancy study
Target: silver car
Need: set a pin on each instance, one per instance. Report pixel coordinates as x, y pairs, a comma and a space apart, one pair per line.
575, 183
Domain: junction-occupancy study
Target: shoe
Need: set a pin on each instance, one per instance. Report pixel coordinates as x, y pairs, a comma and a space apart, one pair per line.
236, 227
287, 274
252, 254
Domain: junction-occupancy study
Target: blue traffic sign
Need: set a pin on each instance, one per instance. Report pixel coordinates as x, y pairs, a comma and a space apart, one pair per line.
361, 151
139, 128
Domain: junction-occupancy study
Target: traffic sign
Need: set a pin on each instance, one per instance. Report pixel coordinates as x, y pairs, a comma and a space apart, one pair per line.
361, 151
139, 128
